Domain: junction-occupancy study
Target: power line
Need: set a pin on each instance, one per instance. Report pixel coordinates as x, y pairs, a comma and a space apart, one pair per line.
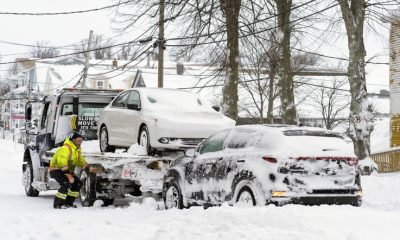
65, 13
260, 31
257, 32
74, 53
245, 25
123, 66
337, 58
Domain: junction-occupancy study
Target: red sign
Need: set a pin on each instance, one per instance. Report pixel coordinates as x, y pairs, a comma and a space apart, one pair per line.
17, 116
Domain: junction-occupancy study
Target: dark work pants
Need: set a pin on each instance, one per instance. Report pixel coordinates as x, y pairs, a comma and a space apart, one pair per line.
68, 191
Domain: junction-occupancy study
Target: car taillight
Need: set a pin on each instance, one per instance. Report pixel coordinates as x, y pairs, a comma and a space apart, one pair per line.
353, 161
270, 159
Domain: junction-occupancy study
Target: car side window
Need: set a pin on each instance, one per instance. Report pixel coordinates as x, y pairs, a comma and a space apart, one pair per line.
134, 98
120, 100
240, 139
215, 143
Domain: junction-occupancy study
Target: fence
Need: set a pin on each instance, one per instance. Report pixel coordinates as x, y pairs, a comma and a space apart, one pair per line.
388, 161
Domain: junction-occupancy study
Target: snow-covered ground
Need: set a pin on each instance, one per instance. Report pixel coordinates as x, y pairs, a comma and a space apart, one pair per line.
34, 218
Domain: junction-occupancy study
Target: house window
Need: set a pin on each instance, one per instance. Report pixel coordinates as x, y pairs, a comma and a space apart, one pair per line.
100, 84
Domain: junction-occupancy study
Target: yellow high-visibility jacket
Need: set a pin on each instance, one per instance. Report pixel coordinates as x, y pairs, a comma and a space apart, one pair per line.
68, 157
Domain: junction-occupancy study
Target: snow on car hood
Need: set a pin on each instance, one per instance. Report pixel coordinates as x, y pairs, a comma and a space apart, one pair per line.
178, 103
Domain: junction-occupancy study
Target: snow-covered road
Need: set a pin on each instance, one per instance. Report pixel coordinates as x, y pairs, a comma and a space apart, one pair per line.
34, 218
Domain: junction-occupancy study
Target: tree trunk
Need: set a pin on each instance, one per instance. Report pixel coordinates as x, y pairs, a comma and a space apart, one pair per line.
285, 75
231, 10
361, 116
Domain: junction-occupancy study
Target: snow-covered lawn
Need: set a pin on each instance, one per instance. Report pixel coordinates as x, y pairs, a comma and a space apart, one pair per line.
34, 218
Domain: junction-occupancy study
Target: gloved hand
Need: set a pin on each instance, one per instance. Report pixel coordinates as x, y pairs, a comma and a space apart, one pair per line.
70, 177
95, 169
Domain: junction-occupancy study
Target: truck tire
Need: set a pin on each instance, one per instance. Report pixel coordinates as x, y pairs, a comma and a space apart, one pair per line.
87, 193
27, 178
103, 140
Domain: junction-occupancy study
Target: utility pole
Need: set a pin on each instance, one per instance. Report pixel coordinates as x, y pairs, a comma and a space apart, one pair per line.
161, 46
87, 57
29, 87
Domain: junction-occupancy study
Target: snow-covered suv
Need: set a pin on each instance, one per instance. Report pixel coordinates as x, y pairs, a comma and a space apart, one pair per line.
263, 164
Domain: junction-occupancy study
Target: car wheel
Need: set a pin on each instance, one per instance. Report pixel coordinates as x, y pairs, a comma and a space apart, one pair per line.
144, 140
173, 196
245, 198
87, 193
27, 179
104, 146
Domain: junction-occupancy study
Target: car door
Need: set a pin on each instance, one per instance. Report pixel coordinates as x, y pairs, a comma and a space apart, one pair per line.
132, 117
115, 119
236, 155
44, 139
200, 172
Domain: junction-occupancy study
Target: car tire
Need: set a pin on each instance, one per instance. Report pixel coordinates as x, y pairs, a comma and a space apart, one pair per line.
87, 193
246, 197
173, 196
28, 179
103, 140
144, 140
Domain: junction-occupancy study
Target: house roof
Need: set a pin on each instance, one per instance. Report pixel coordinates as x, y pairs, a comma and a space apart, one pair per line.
25, 63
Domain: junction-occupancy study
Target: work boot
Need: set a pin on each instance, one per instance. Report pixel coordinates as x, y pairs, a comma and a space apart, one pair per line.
58, 203
61, 207
69, 202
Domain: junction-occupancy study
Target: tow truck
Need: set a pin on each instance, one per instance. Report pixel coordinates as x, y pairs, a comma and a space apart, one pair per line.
77, 110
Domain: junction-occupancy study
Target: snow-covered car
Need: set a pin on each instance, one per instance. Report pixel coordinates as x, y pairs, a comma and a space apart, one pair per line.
263, 164
158, 119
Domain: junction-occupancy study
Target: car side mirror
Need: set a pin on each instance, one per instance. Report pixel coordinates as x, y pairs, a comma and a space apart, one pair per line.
216, 108
190, 152
28, 112
133, 106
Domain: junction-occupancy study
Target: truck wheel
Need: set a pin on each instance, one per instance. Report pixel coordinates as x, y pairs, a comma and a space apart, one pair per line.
173, 196
144, 140
104, 146
87, 193
27, 179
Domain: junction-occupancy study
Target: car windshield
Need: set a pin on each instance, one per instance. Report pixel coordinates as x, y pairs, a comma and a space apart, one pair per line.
318, 145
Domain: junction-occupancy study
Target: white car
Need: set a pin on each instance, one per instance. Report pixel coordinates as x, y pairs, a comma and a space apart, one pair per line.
158, 119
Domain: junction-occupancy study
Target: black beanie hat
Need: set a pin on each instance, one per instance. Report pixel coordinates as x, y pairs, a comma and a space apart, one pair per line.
75, 135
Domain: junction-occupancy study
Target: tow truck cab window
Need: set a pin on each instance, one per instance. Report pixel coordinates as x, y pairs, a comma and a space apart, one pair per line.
84, 109
120, 100
45, 115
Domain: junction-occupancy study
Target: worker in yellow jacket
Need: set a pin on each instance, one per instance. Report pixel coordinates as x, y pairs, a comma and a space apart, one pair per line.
62, 167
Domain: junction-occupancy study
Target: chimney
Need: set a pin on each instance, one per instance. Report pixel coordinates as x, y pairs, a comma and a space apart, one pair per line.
114, 63
180, 68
